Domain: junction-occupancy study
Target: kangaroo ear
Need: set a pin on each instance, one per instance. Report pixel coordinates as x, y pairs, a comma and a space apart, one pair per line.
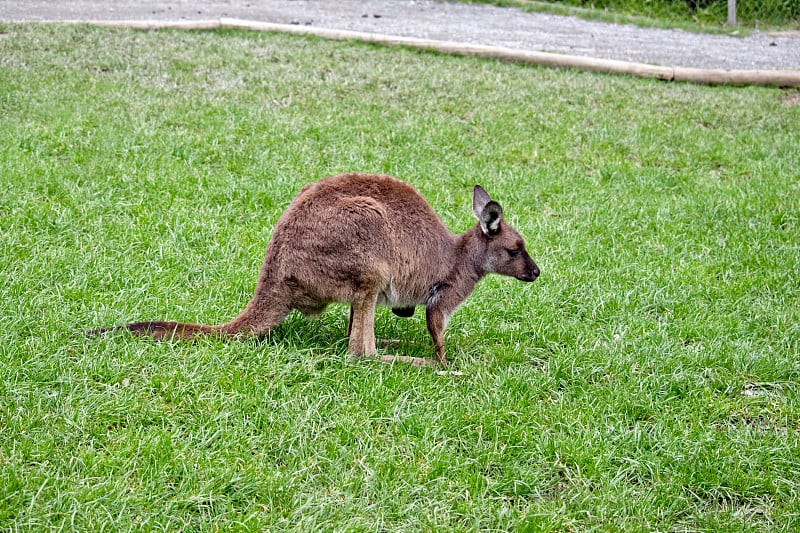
490, 218
487, 211
479, 200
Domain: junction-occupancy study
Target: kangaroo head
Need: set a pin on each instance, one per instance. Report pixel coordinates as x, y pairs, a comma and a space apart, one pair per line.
504, 250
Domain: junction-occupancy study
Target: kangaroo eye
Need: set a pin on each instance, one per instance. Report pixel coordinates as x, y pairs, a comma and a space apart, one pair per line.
513, 253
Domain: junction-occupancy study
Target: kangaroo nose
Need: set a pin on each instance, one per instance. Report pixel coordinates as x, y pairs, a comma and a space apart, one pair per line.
531, 275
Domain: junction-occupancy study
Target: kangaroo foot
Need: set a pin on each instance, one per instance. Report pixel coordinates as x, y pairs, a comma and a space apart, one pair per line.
383, 343
415, 361
420, 361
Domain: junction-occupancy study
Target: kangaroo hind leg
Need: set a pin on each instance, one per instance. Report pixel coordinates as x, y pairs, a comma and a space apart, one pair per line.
362, 326
263, 313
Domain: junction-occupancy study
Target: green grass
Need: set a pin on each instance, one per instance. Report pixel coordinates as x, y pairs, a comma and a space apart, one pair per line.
647, 381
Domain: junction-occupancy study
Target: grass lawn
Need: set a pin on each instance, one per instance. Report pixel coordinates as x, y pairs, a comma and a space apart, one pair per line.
647, 381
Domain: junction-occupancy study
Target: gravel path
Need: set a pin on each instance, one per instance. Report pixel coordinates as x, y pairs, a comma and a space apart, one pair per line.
469, 23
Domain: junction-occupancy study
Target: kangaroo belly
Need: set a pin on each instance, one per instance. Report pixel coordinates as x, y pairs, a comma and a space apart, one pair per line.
394, 299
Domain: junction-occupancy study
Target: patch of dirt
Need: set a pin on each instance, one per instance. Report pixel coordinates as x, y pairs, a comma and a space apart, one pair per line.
791, 98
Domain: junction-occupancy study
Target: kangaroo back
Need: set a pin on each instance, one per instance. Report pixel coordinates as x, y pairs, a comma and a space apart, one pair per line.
367, 240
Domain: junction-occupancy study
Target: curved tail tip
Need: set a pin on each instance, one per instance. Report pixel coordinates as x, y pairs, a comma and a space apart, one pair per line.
99, 331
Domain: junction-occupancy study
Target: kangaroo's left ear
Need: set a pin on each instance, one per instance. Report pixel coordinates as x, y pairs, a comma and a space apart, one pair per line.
487, 211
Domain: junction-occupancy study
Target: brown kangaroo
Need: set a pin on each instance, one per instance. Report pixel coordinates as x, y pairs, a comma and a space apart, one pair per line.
368, 240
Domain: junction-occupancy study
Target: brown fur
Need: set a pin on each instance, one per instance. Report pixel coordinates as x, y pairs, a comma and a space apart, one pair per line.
368, 240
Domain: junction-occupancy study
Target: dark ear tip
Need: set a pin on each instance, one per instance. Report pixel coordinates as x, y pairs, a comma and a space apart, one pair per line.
493, 208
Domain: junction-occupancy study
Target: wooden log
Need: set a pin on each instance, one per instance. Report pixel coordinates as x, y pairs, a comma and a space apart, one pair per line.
150, 25
779, 78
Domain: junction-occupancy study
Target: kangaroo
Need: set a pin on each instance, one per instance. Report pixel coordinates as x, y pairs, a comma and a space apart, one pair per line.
367, 240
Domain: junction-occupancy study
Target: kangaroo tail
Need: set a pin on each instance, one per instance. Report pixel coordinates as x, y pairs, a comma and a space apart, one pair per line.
163, 330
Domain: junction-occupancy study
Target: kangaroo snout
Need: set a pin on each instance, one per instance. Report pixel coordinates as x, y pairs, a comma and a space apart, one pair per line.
531, 272
530, 275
